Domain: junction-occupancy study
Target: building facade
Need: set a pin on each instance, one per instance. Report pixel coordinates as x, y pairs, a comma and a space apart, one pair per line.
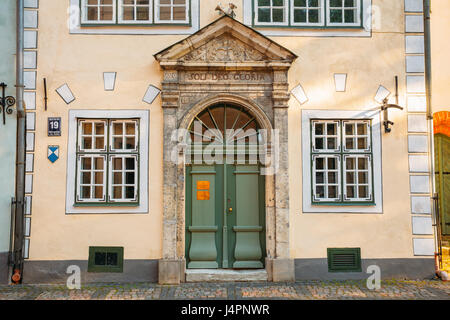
172, 138
8, 131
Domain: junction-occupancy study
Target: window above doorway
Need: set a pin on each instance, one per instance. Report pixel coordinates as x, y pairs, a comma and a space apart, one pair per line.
308, 13
132, 12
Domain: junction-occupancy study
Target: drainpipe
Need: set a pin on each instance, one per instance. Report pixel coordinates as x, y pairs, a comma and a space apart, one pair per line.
20, 152
429, 110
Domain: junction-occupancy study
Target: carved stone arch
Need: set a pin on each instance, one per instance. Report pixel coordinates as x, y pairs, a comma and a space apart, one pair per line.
250, 105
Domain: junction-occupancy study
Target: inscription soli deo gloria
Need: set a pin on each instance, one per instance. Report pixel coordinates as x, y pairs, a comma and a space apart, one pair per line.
226, 76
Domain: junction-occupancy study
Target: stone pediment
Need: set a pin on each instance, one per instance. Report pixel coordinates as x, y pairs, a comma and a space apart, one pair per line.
225, 41
225, 48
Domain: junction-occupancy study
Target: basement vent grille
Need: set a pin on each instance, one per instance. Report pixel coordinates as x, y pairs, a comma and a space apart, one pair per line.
344, 259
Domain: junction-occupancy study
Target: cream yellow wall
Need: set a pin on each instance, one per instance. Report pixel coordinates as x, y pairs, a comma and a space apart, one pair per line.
440, 53
80, 60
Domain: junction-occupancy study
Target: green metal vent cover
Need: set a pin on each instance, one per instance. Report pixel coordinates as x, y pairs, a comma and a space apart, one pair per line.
344, 259
105, 259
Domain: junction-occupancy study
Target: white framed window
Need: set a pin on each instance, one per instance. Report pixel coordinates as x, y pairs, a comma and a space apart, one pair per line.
271, 12
341, 161
135, 11
121, 167
107, 156
341, 141
307, 13
343, 13
98, 11
172, 11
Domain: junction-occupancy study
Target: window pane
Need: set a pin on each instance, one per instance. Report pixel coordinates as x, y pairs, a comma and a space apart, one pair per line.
129, 178
98, 192
130, 128
106, 13
332, 177
336, 16
350, 178
349, 16
313, 3
117, 192
331, 143
264, 15
278, 3
87, 128
118, 128
263, 2
117, 178
331, 129
100, 128
332, 192
86, 178
319, 128
349, 129
350, 3
320, 177
179, 13
349, 143
164, 13
130, 143
363, 192
129, 163
128, 13
351, 192
335, 3
300, 3
332, 163
129, 192
92, 13
319, 143
86, 143
117, 164
98, 163
99, 143
363, 177
362, 143
362, 163
320, 163
313, 16
300, 15
179, 1
85, 192
86, 163
350, 163
320, 191
118, 143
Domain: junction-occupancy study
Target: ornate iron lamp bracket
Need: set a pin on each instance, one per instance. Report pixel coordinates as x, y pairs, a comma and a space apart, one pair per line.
385, 107
6, 103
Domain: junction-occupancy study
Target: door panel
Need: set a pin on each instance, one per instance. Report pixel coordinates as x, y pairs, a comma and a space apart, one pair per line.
204, 225
248, 251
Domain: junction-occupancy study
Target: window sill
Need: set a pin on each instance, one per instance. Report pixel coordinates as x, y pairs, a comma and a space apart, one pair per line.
146, 25
107, 205
269, 26
346, 204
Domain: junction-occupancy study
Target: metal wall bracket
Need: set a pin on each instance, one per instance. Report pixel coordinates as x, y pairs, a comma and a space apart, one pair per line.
386, 122
6, 103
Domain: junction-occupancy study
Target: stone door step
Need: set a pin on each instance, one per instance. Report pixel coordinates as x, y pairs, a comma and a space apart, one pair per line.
223, 275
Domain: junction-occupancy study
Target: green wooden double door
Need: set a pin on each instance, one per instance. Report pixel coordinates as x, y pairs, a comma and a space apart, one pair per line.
225, 217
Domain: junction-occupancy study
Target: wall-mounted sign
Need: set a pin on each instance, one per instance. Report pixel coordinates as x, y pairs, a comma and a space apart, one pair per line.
203, 190
54, 127
53, 153
202, 195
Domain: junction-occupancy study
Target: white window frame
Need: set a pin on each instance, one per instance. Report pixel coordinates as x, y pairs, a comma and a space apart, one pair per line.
357, 184
111, 199
135, 21
92, 172
142, 179
343, 24
172, 5
325, 182
285, 9
84, 19
375, 117
321, 22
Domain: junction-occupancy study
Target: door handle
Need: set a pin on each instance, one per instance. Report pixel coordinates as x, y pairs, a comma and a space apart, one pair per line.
230, 210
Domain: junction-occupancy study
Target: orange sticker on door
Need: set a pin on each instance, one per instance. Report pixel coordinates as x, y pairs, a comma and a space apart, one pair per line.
203, 185
202, 195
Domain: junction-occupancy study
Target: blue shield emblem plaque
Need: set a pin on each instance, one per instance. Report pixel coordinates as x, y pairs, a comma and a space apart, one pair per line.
53, 153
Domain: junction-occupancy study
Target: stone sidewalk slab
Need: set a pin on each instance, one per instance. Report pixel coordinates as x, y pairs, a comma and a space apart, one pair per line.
300, 290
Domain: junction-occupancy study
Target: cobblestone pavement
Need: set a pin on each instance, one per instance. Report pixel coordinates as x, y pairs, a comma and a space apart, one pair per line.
302, 290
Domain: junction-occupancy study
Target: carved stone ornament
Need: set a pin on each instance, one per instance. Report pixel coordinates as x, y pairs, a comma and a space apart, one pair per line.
224, 49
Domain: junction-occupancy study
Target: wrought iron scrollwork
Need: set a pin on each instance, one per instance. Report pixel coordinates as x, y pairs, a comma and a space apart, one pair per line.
6, 103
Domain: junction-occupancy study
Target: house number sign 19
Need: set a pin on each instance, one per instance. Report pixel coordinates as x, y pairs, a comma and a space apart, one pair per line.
54, 127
